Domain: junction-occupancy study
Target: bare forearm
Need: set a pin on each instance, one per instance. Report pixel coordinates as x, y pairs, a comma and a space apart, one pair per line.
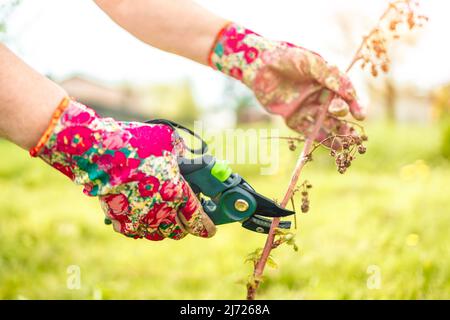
27, 100
177, 26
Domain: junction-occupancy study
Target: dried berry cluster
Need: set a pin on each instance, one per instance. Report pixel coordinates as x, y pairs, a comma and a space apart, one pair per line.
401, 15
373, 53
405, 12
346, 154
342, 147
304, 187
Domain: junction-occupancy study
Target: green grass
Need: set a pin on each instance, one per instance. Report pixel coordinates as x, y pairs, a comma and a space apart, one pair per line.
376, 214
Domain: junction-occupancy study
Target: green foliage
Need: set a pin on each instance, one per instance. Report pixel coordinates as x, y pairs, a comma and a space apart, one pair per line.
286, 236
6, 8
254, 256
445, 146
441, 102
388, 210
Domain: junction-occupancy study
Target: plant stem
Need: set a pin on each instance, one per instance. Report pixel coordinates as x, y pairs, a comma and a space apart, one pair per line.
357, 55
302, 160
308, 148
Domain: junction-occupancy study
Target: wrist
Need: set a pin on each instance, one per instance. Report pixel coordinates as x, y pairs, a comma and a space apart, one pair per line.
239, 52
44, 136
27, 100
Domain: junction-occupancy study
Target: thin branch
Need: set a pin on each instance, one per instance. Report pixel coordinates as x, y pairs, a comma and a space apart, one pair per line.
357, 55
305, 156
302, 160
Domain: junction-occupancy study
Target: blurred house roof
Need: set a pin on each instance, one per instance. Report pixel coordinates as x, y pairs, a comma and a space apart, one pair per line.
133, 102
107, 100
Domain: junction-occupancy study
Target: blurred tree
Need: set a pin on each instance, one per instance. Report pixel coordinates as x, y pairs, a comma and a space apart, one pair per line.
390, 97
445, 143
243, 102
441, 112
384, 92
172, 101
188, 109
6, 9
441, 102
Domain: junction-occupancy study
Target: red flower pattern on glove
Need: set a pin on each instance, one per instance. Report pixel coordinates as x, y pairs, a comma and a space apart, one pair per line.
132, 167
287, 80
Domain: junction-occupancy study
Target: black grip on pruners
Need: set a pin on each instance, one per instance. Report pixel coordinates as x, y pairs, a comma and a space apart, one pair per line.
262, 225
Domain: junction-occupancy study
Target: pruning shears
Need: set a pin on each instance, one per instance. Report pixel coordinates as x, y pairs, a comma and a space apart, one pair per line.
231, 198
225, 196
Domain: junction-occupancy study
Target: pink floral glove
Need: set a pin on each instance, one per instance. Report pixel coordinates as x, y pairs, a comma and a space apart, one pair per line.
132, 168
287, 80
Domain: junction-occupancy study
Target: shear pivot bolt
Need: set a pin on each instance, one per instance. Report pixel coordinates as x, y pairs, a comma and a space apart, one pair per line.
241, 205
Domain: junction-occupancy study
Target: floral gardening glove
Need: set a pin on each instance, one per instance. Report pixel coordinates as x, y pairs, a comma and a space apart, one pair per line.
132, 167
287, 80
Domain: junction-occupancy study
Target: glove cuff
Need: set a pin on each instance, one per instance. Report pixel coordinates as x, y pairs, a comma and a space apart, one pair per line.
34, 152
239, 52
69, 138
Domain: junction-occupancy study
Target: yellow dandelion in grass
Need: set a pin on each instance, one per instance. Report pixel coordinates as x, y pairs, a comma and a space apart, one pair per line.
412, 240
417, 170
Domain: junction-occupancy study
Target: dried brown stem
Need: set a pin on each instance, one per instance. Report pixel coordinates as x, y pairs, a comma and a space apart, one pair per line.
302, 160
306, 152
298, 139
357, 55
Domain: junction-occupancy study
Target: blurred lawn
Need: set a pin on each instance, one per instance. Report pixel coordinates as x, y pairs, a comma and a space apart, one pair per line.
386, 211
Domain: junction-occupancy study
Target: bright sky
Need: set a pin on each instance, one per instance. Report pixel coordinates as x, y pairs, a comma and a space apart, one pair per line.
63, 37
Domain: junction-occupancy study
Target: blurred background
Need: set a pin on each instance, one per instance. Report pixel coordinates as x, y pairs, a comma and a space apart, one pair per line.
379, 231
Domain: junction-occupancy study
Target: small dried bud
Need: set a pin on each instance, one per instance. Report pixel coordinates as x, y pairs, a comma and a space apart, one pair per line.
362, 149
411, 22
393, 25
374, 71
292, 145
308, 157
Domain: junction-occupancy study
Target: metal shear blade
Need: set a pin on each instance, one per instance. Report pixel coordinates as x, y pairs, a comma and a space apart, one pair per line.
266, 207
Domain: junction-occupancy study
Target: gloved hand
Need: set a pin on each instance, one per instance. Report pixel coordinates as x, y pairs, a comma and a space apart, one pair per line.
132, 167
286, 79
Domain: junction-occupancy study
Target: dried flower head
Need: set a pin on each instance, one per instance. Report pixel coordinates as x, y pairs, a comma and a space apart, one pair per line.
400, 16
343, 147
